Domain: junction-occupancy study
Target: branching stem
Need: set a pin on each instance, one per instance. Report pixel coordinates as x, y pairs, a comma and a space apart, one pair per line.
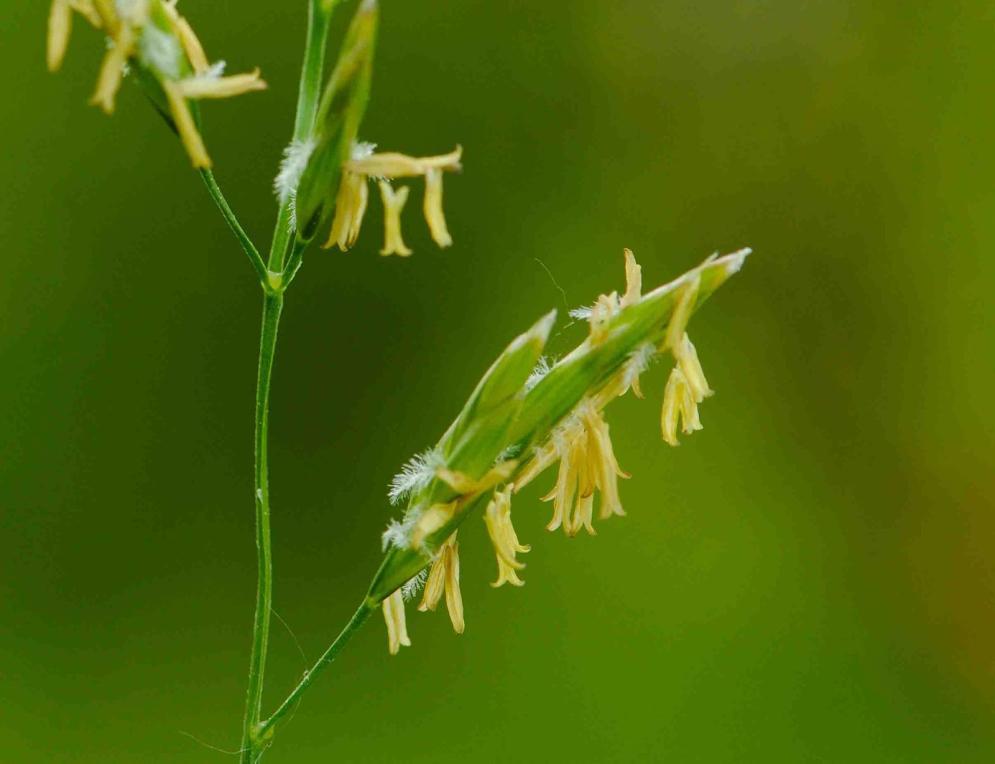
254, 736
267, 728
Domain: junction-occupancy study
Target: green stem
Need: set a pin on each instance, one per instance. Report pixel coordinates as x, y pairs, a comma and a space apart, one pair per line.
243, 238
272, 308
358, 619
319, 17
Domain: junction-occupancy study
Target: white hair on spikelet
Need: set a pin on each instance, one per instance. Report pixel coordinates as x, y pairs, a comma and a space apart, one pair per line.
543, 366
639, 361
415, 475
295, 159
414, 585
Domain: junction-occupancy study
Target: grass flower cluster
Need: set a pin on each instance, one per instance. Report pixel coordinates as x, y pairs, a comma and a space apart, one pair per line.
526, 416
515, 427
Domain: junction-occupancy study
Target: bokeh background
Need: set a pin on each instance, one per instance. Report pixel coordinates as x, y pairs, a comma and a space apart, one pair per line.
809, 579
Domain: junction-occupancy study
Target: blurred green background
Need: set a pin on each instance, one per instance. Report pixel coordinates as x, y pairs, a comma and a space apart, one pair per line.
809, 579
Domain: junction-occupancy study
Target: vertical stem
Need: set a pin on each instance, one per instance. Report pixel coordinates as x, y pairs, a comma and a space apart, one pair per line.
312, 70
319, 18
272, 308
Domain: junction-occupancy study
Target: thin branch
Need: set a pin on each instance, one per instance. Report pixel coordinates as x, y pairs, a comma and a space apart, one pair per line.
357, 620
243, 238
